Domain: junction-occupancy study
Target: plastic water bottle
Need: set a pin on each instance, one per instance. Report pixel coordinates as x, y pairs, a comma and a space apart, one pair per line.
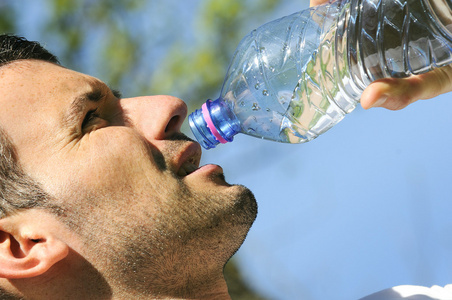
294, 78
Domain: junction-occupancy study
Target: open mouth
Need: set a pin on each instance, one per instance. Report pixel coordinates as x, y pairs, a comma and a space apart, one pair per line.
188, 160
188, 167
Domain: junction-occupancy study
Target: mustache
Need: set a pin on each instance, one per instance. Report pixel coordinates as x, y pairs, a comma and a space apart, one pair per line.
178, 136
174, 143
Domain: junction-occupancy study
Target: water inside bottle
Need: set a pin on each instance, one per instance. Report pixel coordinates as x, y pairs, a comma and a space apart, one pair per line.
308, 108
281, 87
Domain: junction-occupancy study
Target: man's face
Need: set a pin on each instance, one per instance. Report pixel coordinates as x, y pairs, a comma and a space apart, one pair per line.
127, 178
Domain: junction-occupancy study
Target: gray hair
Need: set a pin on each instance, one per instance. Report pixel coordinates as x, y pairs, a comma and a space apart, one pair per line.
17, 190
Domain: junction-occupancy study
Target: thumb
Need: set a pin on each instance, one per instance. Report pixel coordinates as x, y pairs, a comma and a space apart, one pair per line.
397, 93
317, 2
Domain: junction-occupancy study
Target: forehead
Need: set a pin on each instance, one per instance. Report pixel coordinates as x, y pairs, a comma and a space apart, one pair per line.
33, 94
25, 79
33, 87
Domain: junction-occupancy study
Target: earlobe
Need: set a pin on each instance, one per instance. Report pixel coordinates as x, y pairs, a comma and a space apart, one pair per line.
24, 257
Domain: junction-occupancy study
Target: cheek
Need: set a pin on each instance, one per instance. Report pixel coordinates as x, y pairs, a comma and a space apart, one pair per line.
114, 156
107, 161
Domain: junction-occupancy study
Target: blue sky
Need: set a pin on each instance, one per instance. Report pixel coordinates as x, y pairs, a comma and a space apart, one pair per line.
364, 207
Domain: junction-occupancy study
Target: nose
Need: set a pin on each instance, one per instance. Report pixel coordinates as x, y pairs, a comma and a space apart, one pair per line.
156, 117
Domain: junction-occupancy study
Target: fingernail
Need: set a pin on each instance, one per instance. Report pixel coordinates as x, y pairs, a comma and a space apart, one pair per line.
380, 101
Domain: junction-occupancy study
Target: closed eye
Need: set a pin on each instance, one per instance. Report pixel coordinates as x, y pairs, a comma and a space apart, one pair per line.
90, 116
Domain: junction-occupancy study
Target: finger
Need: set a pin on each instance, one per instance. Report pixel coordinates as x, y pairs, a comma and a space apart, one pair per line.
395, 94
317, 2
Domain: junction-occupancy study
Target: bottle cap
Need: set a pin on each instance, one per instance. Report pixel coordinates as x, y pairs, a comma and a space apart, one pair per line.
214, 123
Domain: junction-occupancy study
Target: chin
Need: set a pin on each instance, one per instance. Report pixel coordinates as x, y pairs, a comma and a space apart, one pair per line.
247, 203
242, 217
240, 208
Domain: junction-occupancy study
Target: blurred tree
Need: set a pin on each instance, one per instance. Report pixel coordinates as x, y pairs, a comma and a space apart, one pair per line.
7, 17
94, 23
236, 286
220, 26
141, 47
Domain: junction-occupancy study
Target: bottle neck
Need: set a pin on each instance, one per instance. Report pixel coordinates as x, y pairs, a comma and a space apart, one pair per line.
214, 123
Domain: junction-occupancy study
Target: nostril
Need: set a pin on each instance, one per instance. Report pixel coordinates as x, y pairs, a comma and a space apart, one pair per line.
172, 124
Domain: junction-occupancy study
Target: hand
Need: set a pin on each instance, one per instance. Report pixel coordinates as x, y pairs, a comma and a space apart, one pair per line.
317, 2
394, 94
397, 93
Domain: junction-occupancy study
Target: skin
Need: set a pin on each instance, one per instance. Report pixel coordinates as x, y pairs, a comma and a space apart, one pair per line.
134, 224
396, 94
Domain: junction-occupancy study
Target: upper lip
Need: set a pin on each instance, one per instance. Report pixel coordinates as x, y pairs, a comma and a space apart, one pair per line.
188, 159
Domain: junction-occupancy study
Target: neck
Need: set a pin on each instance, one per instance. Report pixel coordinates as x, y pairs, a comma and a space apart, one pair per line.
64, 289
211, 290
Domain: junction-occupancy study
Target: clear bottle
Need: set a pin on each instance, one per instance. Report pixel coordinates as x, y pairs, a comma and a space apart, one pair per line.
294, 78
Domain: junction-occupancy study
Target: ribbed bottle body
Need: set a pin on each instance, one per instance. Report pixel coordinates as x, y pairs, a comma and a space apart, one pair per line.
296, 77
261, 84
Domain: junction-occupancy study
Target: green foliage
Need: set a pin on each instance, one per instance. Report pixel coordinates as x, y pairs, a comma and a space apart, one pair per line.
192, 75
236, 287
120, 48
7, 18
79, 25
198, 73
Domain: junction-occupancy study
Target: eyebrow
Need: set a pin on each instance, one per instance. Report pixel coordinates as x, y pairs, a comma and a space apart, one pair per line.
77, 106
116, 93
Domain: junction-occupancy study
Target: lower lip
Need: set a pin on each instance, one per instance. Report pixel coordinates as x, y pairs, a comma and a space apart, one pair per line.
209, 169
208, 173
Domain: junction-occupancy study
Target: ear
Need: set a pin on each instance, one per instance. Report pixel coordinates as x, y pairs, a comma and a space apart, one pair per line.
27, 247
